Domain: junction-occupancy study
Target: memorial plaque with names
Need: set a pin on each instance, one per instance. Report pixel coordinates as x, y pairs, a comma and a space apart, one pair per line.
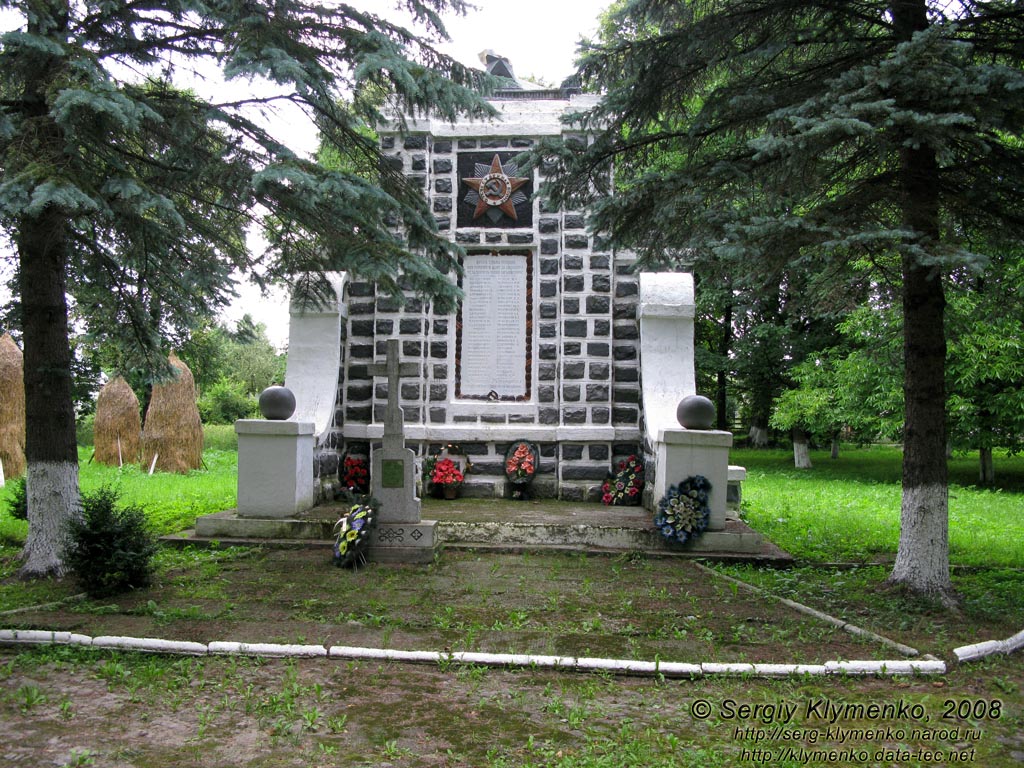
495, 326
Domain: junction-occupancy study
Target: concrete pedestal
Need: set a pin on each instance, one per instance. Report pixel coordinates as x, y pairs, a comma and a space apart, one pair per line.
275, 468
683, 453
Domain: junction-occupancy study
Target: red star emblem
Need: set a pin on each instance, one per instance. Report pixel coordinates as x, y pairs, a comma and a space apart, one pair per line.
495, 189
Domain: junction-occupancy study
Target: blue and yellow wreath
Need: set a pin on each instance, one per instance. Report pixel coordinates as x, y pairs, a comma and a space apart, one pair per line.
684, 510
352, 536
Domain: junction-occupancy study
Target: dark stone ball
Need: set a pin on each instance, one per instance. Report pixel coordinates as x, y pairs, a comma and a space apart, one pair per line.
277, 403
696, 412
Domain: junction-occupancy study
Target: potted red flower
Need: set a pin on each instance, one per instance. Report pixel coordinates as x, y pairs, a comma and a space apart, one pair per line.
447, 475
355, 474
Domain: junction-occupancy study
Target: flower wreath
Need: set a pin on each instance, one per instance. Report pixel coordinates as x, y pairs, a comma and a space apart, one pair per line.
521, 462
625, 488
352, 535
683, 511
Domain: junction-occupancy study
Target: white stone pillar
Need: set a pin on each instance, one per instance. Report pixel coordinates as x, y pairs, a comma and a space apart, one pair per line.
275, 468
683, 453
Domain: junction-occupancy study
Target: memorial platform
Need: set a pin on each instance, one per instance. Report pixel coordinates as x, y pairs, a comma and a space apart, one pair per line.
510, 526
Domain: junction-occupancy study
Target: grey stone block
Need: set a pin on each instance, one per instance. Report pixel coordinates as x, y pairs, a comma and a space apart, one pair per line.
573, 283
574, 370
574, 415
575, 328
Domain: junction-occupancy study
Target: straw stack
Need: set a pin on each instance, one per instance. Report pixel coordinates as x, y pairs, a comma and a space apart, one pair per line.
12, 408
118, 429
173, 434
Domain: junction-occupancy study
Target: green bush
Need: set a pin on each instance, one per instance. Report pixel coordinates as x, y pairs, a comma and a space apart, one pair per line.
225, 402
110, 549
84, 428
219, 437
17, 499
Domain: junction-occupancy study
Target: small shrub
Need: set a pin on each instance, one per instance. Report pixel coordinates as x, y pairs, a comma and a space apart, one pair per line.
110, 549
17, 499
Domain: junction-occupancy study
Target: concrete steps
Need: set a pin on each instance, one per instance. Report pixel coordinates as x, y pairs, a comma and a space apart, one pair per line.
539, 526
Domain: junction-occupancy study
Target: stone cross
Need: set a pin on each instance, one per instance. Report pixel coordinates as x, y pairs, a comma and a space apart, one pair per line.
394, 435
401, 535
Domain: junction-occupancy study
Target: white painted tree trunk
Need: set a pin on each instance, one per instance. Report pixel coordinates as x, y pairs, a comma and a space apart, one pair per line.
801, 450
922, 559
758, 436
52, 490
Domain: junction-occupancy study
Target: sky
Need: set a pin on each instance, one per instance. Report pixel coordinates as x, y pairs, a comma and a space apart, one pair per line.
539, 37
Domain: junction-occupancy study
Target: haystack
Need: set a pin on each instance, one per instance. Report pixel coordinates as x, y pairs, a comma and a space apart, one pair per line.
118, 429
173, 433
12, 408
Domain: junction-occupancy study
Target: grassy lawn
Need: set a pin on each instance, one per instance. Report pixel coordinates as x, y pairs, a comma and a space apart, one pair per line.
173, 501
848, 510
63, 706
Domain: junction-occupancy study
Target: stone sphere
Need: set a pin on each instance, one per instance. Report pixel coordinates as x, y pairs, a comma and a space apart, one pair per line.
277, 403
696, 412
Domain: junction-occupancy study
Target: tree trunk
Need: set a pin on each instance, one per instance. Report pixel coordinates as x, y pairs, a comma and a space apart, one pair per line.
50, 449
801, 451
986, 467
722, 390
758, 436
922, 559
42, 241
835, 447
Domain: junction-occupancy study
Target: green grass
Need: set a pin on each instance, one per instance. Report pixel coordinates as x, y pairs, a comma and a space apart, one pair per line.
173, 501
848, 509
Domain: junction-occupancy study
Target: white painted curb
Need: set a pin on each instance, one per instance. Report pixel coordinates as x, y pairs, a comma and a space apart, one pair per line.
150, 645
990, 647
853, 629
20, 637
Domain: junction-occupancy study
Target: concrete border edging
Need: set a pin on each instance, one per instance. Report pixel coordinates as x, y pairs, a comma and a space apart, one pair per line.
35, 637
852, 629
990, 647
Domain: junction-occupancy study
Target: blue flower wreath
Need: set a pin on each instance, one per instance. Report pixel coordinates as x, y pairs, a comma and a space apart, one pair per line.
352, 536
683, 511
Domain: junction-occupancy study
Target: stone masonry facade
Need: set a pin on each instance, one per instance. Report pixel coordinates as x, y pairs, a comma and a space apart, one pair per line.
583, 405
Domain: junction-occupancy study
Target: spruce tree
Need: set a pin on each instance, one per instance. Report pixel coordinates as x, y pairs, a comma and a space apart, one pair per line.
118, 183
758, 135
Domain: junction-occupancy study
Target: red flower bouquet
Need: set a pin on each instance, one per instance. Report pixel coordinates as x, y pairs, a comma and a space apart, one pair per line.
446, 472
